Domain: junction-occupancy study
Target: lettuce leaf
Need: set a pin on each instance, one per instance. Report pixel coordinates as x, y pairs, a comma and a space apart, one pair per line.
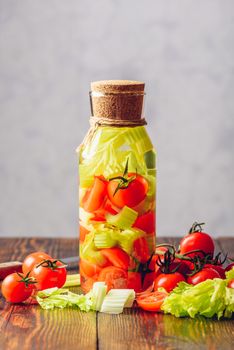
209, 298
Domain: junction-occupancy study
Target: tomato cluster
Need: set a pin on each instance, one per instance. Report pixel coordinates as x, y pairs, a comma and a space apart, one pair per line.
194, 262
40, 271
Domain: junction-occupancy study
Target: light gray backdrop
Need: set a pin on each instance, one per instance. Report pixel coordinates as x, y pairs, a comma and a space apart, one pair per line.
50, 50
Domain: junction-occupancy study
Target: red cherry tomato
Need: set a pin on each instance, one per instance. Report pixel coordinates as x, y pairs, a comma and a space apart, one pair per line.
168, 281
229, 267
33, 259
131, 195
141, 250
114, 277
88, 268
117, 257
231, 284
94, 198
152, 301
15, 290
49, 277
134, 281
146, 222
217, 268
197, 240
203, 275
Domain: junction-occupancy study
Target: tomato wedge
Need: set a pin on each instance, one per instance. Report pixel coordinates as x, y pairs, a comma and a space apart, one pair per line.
146, 222
134, 281
114, 277
88, 268
94, 198
83, 233
141, 250
117, 257
152, 301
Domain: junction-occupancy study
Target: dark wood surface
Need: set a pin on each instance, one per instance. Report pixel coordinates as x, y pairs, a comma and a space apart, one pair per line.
24, 327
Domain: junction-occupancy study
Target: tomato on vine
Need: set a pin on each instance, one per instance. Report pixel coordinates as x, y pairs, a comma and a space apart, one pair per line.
49, 273
33, 259
17, 288
127, 189
198, 241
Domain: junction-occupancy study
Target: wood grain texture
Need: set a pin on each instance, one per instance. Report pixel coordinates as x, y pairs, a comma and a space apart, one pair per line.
29, 327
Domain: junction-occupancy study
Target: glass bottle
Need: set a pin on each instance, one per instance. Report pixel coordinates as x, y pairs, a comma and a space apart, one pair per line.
117, 187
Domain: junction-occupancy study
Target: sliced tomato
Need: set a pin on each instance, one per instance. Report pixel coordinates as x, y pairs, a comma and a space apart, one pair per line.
131, 195
152, 301
134, 281
95, 197
114, 277
117, 257
88, 268
146, 222
83, 233
141, 250
87, 283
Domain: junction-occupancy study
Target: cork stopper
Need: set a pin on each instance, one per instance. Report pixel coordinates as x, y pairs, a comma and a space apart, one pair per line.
117, 99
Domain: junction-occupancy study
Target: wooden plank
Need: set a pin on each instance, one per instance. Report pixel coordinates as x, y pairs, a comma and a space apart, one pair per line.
136, 329
30, 327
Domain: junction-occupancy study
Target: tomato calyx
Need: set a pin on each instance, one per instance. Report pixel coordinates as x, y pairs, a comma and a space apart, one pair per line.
165, 263
52, 264
124, 179
196, 227
27, 280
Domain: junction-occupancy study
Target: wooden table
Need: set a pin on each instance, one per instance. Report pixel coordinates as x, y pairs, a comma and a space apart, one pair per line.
27, 327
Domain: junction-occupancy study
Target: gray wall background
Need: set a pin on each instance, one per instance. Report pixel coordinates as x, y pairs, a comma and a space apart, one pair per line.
50, 50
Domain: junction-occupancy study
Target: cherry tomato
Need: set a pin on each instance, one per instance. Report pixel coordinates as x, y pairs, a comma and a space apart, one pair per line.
117, 257
83, 233
131, 195
49, 276
94, 198
146, 222
203, 275
197, 240
185, 266
217, 268
229, 267
231, 284
141, 250
88, 268
114, 277
152, 301
15, 290
33, 259
134, 281
168, 281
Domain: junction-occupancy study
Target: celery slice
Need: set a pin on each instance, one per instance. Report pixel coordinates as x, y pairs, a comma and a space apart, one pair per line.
124, 219
72, 281
150, 242
88, 250
127, 237
98, 292
117, 299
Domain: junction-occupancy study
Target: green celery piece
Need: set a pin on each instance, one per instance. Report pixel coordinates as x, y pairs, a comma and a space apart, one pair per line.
124, 219
150, 239
99, 291
104, 240
116, 300
85, 216
89, 252
127, 237
150, 159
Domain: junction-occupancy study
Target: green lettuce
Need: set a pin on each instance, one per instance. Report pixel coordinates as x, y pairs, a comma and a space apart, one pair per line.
209, 298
